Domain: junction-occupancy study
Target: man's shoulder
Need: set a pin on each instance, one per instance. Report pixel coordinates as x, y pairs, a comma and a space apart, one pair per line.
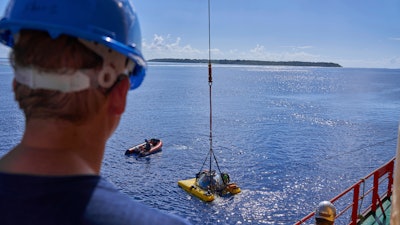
85, 199
110, 206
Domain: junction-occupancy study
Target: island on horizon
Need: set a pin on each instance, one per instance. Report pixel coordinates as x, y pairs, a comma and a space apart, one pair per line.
248, 62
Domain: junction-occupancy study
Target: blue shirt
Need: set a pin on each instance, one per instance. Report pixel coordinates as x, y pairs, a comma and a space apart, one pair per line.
26, 199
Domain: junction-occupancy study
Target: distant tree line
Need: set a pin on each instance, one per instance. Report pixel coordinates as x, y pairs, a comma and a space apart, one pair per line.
249, 62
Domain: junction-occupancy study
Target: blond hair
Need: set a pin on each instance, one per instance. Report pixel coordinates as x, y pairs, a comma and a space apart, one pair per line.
36, 49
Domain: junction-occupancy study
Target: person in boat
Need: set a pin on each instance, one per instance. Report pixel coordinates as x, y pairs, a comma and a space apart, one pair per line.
325, 213
74, 63
147, 146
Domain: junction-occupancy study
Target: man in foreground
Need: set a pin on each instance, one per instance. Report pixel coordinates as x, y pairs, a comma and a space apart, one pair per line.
74, 62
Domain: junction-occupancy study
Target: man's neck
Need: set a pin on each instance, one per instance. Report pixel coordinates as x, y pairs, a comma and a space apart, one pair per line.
57, 148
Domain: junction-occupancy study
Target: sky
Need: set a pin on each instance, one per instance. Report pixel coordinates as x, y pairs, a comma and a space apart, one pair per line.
353, 33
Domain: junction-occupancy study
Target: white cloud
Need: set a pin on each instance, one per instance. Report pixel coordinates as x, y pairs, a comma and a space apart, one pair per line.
294, 48
391, 63
395, 61
305, 47
167, 47
259, 49
259, 52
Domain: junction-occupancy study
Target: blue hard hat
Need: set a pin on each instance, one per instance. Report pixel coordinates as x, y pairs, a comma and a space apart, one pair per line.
113, 23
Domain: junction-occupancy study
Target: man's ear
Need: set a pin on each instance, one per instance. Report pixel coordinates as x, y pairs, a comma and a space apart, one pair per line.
118, 96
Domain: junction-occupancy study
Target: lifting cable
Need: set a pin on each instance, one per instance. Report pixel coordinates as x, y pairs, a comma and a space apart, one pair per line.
211, 152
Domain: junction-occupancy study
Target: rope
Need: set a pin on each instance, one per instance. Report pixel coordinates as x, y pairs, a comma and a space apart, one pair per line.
210, 79
205, 160
210, 85
210, 154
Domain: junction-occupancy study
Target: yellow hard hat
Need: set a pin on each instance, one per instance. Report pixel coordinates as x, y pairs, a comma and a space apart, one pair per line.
325, 210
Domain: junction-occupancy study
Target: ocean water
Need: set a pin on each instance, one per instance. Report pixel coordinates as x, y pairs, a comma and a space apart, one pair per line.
290, 137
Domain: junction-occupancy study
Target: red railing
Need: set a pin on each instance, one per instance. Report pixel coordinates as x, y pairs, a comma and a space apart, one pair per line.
380, 178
